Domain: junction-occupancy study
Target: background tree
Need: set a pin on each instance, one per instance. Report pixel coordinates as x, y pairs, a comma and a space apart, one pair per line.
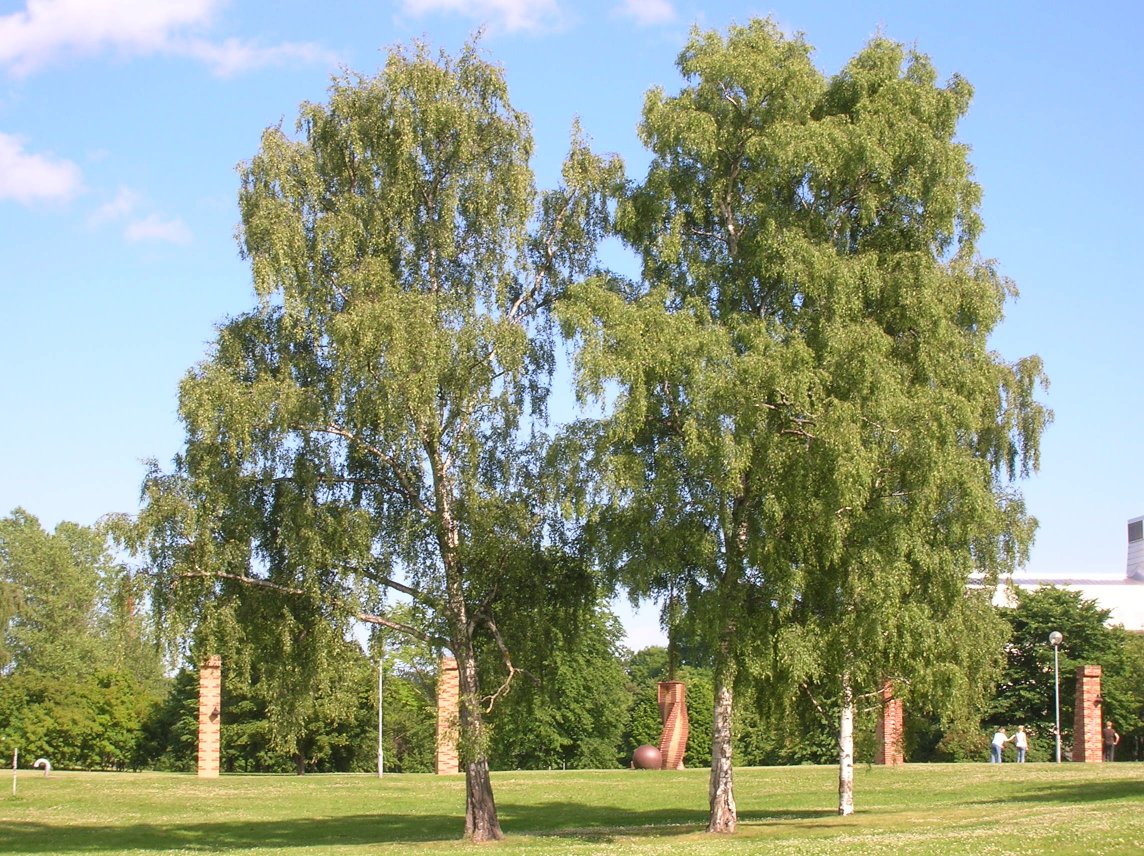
571, 708
84, 669
54, 578
410, 699
9, 602
90, 722
171, 730
1127, 688
367, 427
330, 725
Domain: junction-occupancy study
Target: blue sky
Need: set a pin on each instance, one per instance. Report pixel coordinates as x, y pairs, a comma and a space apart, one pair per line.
121, 122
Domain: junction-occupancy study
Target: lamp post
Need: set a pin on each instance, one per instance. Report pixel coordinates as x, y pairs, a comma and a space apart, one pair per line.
1055, 639
380, 698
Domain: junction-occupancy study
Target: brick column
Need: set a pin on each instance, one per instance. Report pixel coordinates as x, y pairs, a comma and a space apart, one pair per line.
1088, 717
448, 705
673, 712
888, 732
210, 716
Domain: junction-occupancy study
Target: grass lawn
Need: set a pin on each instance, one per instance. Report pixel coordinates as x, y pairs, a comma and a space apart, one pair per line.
930, 808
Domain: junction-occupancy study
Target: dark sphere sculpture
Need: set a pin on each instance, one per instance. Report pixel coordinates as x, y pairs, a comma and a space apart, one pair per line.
647, 758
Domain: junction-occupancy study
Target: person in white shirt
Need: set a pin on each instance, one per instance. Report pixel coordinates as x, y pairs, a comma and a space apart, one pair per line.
1021, 741
999, 741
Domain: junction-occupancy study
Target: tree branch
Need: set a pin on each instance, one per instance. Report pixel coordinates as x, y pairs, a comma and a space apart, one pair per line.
407, 629
250, 581
512, 670
398, 472
368, 618
817, 706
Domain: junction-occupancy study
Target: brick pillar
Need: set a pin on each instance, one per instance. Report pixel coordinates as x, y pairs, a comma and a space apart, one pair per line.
210, 716
1088, 717
888, 733
673, 712
448, 705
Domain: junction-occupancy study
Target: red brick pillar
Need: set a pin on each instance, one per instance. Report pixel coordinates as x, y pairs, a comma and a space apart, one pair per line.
1088, 717
210, 716
673, 712
888, 732
448, 706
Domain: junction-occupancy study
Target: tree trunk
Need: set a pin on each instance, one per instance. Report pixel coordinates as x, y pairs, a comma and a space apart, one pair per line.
846, 749
481, 822
721, 791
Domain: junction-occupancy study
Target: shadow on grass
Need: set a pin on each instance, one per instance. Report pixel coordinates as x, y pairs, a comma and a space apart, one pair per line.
603, 824
600, 824
1077, 792
223, 836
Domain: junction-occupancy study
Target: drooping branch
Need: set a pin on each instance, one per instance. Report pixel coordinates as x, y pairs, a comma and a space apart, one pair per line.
821, 712
491, 700
388, 582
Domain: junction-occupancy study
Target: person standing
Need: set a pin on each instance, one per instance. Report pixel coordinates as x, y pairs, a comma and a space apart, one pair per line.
1021, 741
999, 741
1111, 738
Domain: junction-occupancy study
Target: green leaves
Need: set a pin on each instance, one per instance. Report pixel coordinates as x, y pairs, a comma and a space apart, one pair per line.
374, 425
84, 667
811, 445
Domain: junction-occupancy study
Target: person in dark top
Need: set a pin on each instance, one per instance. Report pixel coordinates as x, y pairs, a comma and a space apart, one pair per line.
1111, 738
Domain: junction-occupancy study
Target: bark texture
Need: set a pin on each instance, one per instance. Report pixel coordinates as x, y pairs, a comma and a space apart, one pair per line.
481, 821
724, 818
846, 750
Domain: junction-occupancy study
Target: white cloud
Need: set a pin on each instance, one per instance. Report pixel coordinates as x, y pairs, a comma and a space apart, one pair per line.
511, 15
154, 228
234, 55
27, 177
648, 12
126, 201
51, 30
129, 205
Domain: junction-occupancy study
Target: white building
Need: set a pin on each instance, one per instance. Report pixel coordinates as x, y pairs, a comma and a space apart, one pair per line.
1123, 597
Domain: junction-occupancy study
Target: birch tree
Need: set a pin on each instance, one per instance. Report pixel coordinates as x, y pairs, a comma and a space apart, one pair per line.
711, 384
919, 430
366, 428
812, 444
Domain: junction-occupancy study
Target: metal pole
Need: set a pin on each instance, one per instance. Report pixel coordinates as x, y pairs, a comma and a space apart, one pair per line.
1057, 681
380, 748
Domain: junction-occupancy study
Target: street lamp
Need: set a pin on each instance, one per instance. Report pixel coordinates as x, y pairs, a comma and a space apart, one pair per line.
1055, 639
380, 698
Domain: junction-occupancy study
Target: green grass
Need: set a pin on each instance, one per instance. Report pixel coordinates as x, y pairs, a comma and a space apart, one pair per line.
932, 808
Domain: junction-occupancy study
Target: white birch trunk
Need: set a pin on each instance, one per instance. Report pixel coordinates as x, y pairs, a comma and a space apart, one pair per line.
721, 791
846, 750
